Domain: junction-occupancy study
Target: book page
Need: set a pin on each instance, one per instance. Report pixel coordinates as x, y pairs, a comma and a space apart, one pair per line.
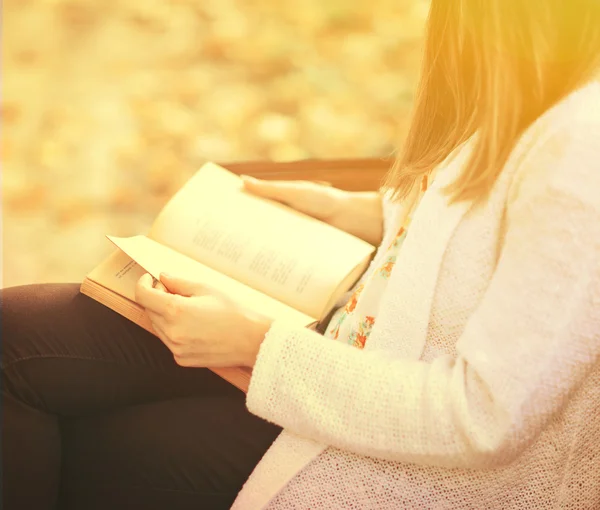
287, 255
155, 258
118, 273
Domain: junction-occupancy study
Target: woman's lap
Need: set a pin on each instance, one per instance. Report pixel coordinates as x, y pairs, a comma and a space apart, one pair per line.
193, 452
77, 338
131, 416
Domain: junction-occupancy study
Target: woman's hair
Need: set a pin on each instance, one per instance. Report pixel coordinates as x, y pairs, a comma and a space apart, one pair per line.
492, 67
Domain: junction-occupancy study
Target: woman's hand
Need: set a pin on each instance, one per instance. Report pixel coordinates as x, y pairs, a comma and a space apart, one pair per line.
201, 326
358, 213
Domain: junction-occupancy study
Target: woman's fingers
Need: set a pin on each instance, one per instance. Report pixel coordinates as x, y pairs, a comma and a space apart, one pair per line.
283, 191
323, 183
157, 284
147, 296
154, 299
183, 286
314, 199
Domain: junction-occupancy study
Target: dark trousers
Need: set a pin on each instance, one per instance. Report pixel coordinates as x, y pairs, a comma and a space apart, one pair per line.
97, 415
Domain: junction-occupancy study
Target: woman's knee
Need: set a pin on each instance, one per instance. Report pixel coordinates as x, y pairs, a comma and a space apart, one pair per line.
29, 315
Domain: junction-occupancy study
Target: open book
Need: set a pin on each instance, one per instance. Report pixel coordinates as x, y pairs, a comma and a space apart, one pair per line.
268, 257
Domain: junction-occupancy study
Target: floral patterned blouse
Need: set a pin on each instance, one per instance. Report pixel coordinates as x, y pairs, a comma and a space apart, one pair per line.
353, 322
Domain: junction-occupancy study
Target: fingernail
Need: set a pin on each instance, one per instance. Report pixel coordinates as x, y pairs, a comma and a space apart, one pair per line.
165, 275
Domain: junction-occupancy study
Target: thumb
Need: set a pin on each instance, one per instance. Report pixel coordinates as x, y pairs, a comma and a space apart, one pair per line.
181, 286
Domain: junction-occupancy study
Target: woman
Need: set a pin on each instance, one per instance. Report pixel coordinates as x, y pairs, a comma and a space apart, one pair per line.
462, 372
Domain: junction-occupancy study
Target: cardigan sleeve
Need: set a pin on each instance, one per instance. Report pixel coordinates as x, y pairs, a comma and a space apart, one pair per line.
526, 348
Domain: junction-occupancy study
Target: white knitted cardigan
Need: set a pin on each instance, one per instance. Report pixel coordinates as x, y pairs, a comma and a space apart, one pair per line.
479, 387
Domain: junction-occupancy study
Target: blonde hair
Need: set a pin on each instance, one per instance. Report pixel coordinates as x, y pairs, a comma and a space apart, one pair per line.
492, 67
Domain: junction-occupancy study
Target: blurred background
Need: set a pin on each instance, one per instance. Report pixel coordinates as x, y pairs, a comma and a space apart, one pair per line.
108, 106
